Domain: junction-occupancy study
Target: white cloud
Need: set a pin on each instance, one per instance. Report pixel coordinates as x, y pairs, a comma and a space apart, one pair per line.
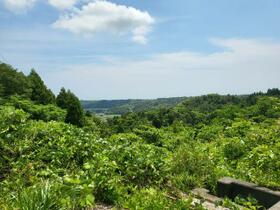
63, 4
18, 6
240, 66
104, 16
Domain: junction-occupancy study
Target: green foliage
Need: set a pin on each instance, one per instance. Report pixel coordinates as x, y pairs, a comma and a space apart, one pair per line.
210, 133
13, 82
48, 196
121, 107
273, 92
62, 99
137, 161
1, 89
140, 164
40, 93
149, 134
192, 167
154, 199
10, 118
248, 203
75, 114
36, 198
234, 149
266, 107
211, 102
38, 112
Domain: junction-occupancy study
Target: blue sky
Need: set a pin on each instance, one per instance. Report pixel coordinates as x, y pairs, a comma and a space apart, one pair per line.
144, 49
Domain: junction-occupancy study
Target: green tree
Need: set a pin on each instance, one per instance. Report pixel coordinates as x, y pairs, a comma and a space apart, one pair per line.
273, 92
40, 92
62, 99
70, 102
13, 82
1, 89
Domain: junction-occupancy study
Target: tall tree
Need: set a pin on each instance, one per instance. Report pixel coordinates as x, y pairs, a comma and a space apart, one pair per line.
1, 89
13, 82
40, 92
62, 99
70, 102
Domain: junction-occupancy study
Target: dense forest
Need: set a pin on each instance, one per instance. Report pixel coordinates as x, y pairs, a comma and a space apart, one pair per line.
55, 155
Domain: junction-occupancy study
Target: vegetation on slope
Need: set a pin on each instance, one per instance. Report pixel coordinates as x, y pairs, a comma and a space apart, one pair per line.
142, 160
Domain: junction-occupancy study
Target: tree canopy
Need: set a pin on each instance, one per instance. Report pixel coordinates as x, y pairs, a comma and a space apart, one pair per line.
70, 102
40, 93
13, 82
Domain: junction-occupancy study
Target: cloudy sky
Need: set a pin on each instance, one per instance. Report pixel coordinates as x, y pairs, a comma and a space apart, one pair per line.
121, 49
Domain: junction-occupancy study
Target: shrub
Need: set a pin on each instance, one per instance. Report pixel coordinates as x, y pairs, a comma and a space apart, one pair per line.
139, 163
154, 199
192, 167
234, 149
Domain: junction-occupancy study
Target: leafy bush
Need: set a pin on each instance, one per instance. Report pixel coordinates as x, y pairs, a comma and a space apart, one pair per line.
36, 111
149, 134
10, 118
192, 167
234, 149
141, 164
151, 198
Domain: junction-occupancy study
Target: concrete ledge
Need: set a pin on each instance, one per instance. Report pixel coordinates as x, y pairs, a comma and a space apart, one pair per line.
229, 187
204, 194
208, 201
275, 207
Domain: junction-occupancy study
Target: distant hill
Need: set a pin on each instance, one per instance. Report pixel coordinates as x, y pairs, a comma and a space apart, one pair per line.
120, 107
129, 105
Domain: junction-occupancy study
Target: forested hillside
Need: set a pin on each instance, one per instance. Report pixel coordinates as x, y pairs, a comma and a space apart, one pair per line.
119, 107
56, 156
